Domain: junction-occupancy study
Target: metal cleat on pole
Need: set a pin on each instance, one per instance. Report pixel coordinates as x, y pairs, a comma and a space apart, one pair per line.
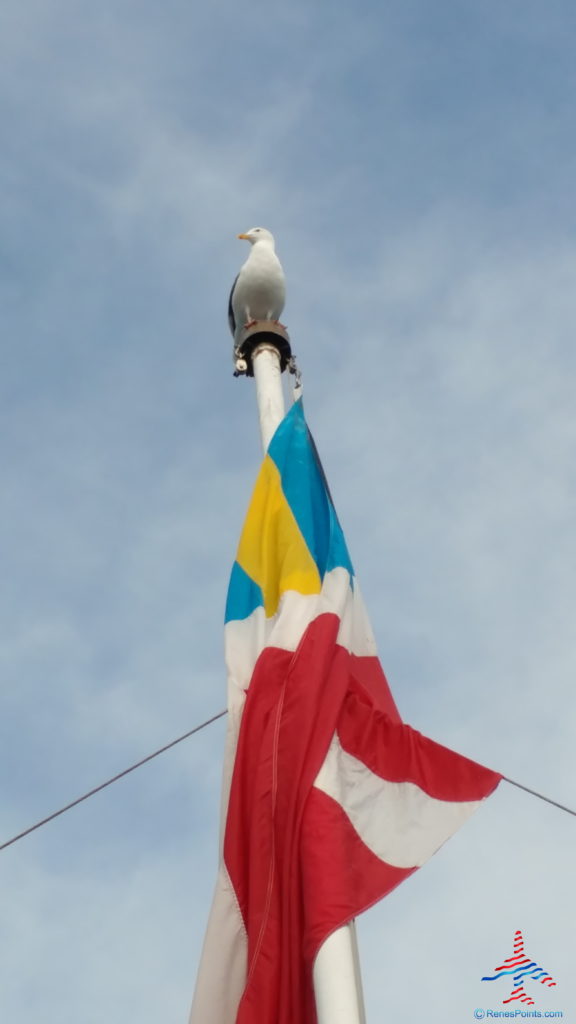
258, 333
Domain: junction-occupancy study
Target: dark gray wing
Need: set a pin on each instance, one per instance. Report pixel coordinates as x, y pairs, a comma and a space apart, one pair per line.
231, 317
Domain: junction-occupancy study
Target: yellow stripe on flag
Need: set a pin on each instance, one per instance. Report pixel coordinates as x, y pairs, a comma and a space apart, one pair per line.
272, 550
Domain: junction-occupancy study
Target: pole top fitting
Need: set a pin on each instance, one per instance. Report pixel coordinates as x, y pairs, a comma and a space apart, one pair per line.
262, 332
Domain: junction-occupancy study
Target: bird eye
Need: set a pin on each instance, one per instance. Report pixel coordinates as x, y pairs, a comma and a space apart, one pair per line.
256, 229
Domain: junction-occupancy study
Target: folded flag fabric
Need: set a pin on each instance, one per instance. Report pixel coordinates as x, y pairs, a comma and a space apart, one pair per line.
329, 799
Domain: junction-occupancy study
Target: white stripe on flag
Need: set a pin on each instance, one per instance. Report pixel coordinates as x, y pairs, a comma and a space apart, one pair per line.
246, 638
222, 971
397, 821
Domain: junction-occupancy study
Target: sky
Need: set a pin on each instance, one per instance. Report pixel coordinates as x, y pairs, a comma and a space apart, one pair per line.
416, 163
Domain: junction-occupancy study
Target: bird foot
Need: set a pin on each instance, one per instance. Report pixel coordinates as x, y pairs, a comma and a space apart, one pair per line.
252, 323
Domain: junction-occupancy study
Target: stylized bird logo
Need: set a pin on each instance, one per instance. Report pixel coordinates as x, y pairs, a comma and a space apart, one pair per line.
519, 966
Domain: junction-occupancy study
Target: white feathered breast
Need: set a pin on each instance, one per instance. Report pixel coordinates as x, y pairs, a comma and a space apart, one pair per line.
259, 291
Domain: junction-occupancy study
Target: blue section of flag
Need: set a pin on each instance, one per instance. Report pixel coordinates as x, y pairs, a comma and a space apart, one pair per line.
306, 492
243, 595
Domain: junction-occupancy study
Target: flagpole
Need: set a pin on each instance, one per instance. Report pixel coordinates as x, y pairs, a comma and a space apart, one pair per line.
337, 979
336, 973
269, 393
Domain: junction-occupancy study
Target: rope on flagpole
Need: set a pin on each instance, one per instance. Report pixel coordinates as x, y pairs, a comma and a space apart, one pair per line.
185, 736
103, 785
540, 796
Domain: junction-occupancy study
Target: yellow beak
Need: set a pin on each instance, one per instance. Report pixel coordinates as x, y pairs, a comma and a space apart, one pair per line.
247, 237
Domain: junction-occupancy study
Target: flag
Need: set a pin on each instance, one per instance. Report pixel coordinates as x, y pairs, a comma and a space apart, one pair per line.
329, 799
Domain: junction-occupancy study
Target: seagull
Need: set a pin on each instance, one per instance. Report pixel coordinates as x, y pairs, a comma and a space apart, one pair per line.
258, 293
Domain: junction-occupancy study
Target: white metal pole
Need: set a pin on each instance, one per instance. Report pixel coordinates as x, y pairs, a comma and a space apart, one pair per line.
269, 393
336, 975
337, 979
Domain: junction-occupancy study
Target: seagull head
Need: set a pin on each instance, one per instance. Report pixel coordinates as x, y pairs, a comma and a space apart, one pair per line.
255, 235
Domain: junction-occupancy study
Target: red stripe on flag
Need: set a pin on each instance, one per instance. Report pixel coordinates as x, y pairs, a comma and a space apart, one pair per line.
367, 677
288, 721
398, 753
342, 877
